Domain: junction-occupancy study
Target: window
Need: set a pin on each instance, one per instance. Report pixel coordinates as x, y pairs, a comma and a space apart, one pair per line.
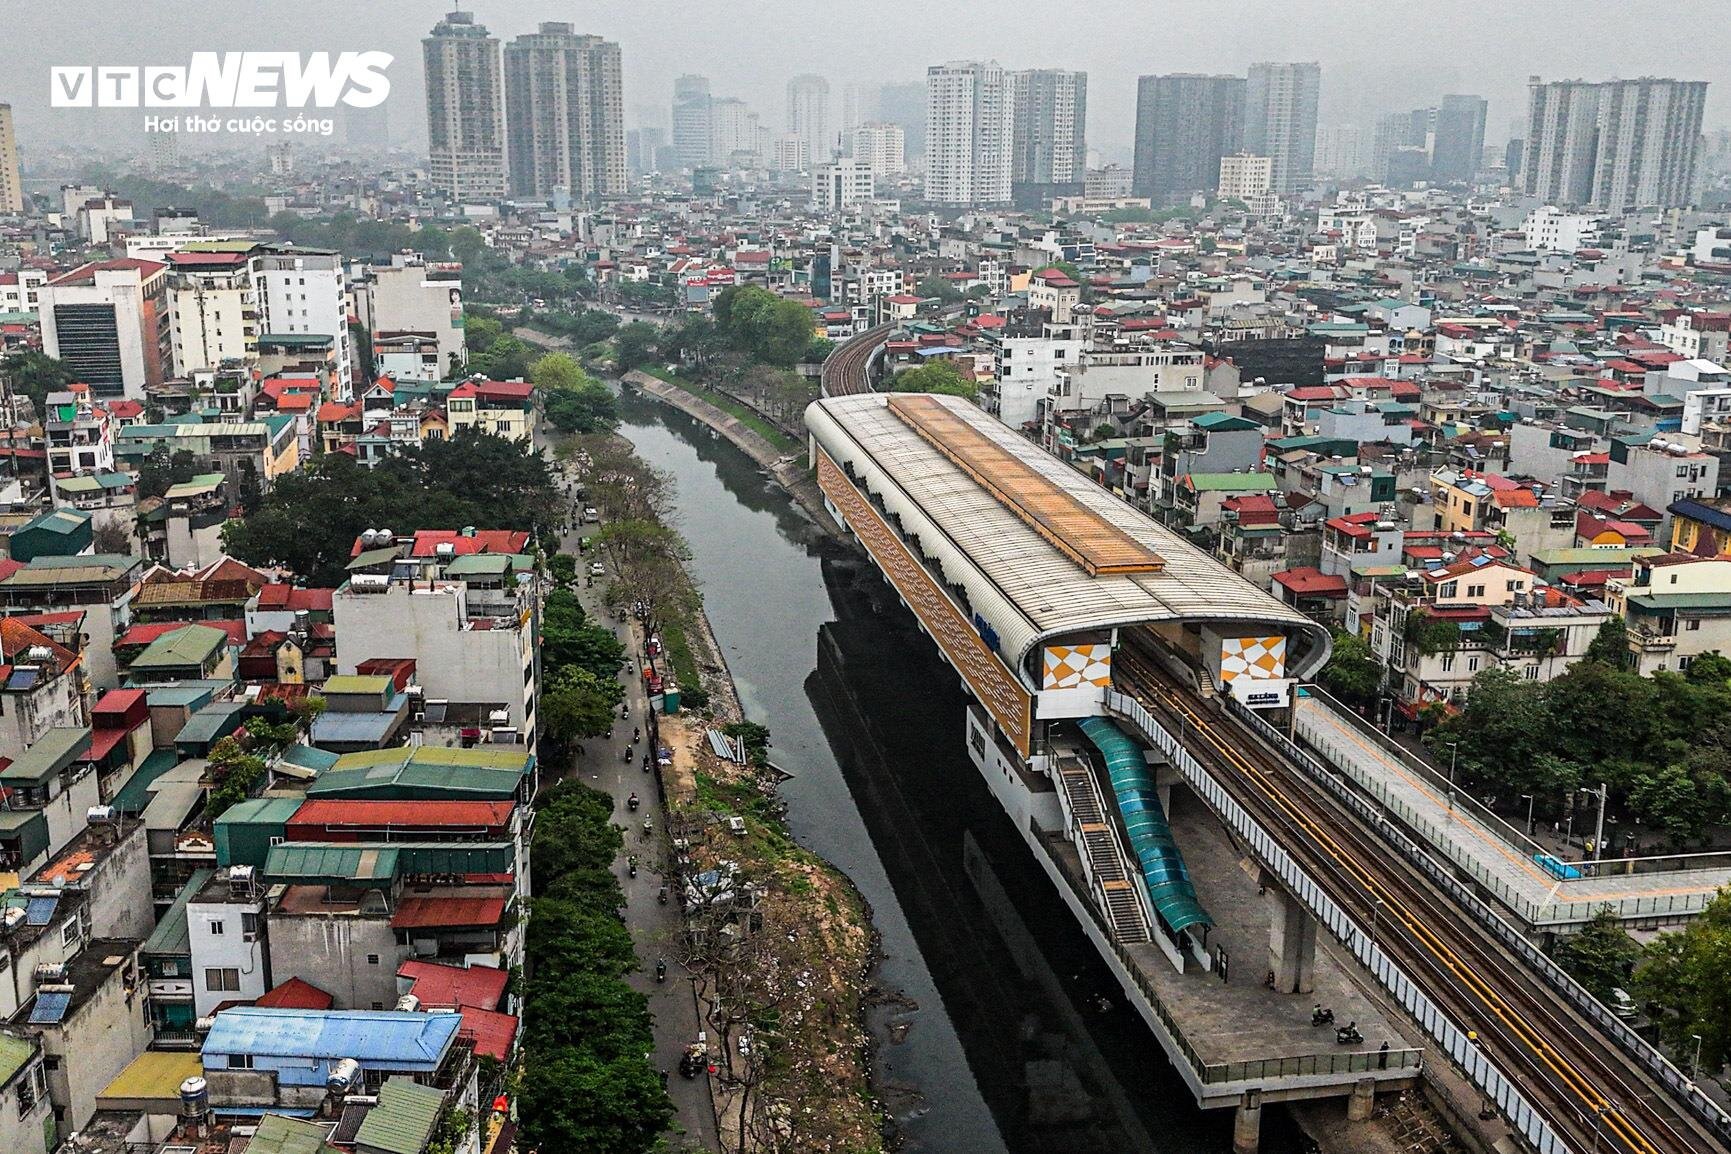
1475, 590
69, 932
1531, 673
1448, 662
222, 980
372, 959
249, 926
240, 1061
1516, 585
216, 928
1692, 624
1448, 589
1473, 664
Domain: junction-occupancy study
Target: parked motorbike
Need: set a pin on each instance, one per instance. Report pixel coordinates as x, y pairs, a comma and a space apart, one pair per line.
661, 896
648, 827
1348, 1034
1318, 1015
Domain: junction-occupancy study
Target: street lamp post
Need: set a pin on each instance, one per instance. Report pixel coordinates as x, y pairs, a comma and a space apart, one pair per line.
1454, 756
1528, 798
1695, 1066
1599, 833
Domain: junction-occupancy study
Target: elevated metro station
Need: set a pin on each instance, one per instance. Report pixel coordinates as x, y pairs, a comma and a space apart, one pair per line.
1035, 584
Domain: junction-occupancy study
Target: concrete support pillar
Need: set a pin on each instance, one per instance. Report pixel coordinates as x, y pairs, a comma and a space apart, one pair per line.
1247, 1124
1291, 943
1362, 1104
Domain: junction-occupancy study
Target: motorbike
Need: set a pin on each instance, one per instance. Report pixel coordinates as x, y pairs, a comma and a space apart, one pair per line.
631, 865
661, 896
628, 755
660, 969
1320, 1016
648, 827
633, 803
1348, 1034
636, 734
646, 763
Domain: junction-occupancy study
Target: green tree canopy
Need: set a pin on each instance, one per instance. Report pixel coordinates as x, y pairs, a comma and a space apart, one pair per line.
634, 345
309, 520
1600, 956
1683, 973
938, 377
1352, 673
757, 322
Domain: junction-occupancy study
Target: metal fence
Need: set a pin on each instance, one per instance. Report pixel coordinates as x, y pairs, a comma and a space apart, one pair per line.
1681, 1088
1522, 1115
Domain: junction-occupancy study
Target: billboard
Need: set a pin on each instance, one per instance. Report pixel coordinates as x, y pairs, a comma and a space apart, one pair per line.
1252, 658
1076, 666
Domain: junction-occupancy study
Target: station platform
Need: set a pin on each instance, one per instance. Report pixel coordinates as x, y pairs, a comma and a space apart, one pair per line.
1543, 890
1238, 1035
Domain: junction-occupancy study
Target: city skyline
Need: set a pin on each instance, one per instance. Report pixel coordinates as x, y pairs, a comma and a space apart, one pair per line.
659, 45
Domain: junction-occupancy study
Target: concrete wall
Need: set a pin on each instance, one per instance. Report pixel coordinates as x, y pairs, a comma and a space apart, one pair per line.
25, 1131
95, 1043
28, 716
332, 953
226, 950
119, 889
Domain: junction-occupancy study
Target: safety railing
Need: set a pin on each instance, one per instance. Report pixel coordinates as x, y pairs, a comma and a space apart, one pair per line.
1454, 1039
1681, 1088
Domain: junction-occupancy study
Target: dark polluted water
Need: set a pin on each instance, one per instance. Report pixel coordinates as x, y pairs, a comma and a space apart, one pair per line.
993, 1039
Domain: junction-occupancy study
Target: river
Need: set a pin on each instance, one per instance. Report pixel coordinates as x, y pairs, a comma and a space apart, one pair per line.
1005, 1032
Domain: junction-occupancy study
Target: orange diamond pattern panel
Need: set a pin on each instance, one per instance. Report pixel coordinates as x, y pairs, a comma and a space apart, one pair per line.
1073, 666
1258, 658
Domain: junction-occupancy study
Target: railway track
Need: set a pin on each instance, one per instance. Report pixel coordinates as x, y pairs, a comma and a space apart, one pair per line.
1568, 1070
847, 371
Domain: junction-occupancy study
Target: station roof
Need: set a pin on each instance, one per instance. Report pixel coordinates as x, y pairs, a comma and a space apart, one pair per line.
1015, 577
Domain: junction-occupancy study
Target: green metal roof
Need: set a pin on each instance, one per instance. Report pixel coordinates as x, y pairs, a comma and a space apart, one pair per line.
52, 753
479, 565
403, 773
170, 937
191, 646
1660, 602
292, 861
280, 1134
369, 684
373, 557
61, 521
197, 487
403, 1120
135, 794
16, 1051
1232, 482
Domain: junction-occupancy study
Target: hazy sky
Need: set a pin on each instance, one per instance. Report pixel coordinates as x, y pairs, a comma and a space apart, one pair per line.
1375, 56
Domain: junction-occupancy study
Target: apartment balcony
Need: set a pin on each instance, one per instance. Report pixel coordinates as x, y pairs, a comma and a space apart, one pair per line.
1651, 641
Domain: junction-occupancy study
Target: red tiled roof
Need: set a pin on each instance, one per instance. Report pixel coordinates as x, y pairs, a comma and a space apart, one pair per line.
117, 701
438, 985
17, 639
103, 741
427, 542
448, 912
1309, 581
296, 994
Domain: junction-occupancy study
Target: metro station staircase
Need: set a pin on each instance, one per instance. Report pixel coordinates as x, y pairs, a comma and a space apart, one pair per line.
1098, 845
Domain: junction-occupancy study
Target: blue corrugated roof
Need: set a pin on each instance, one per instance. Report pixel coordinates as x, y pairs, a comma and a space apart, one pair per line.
400, 1040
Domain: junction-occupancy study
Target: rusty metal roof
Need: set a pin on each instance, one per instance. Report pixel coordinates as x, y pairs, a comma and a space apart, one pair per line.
1075, 530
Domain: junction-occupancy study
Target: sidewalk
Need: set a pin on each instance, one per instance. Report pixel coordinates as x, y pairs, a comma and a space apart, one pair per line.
655, 928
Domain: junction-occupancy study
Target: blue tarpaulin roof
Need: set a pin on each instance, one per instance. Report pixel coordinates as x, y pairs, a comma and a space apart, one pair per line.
1163, 870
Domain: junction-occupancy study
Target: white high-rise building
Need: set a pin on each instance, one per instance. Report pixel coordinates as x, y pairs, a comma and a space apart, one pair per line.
790, 153
1340, 152
213, 316
1618, 145
882, 146
300, 292
840, 182
465, 109
858, 105
735, 133
970, 122
1280, 106
808, 116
